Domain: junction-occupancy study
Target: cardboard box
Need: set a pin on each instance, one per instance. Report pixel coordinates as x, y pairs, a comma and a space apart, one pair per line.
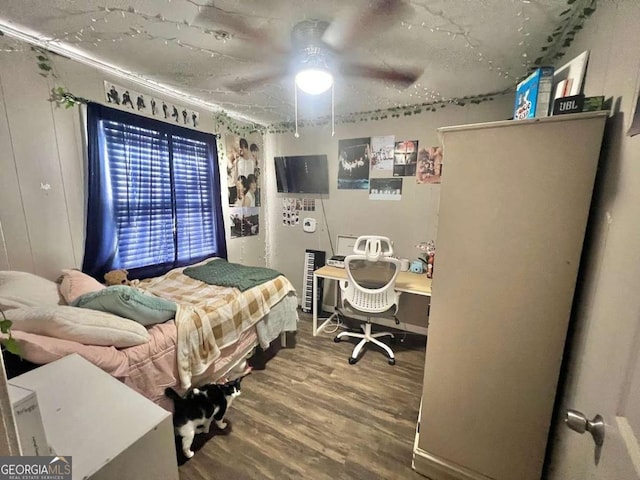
533, 95
33, 440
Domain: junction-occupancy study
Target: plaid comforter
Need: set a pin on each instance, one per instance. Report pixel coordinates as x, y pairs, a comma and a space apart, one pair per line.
211, 317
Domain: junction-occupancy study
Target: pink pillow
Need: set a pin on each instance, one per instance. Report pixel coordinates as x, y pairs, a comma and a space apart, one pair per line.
75, 283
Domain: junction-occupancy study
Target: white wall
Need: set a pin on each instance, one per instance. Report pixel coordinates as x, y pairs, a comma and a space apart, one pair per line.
42, 228
406, 222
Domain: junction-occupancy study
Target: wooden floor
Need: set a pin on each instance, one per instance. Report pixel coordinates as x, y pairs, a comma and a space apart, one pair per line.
311, 415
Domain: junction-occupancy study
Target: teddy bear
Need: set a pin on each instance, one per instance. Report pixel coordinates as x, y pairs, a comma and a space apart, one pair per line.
117, 277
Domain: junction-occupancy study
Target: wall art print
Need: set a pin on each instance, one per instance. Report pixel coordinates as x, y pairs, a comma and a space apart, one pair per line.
386, 189
243, 158
133, 101
382, 150
353, 163
405, 158
245, 222
429, 168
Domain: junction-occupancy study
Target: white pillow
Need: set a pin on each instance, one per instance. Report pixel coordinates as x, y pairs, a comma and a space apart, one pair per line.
90, 327
22, 289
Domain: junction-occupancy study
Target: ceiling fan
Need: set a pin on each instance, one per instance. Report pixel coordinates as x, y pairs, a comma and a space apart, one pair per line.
319, 48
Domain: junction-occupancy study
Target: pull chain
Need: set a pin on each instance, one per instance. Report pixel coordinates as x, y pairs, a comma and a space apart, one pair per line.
333, 112
295, 96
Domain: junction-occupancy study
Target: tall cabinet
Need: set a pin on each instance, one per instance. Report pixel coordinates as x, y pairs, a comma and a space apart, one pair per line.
513, 210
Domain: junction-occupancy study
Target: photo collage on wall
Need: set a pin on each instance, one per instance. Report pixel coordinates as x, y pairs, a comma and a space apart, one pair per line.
291, 208
243, 159
379, 163
136, 102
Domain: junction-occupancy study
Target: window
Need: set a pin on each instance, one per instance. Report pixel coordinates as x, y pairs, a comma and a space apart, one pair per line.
154, 195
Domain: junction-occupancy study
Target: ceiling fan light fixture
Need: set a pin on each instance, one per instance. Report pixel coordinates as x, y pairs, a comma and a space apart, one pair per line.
314, 81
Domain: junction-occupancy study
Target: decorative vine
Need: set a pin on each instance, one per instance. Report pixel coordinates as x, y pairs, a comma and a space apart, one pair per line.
44, 62
59, 94
572, 21
233, 126
64, 98
382, 114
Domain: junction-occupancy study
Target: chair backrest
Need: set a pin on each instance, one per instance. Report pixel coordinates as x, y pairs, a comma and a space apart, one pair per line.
370, 285
373, 246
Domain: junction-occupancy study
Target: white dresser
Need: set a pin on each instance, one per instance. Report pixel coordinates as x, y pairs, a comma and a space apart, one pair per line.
108, 429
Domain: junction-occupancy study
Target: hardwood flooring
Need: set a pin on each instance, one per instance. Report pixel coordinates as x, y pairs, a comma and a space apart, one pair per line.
311, 415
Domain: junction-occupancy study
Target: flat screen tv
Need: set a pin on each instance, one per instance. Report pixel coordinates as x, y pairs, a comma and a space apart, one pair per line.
302, 174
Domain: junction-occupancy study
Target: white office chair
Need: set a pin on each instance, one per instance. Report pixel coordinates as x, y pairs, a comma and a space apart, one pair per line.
369, 290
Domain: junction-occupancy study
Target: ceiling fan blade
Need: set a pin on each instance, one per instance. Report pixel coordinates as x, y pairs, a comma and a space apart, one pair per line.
212, 15
399, 76
354, 24
247, 84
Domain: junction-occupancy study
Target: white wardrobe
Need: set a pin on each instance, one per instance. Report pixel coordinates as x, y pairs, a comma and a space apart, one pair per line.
513, 210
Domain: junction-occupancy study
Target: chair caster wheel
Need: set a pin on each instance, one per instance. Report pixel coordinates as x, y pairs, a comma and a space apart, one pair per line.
352, 360
337, 339
392, 361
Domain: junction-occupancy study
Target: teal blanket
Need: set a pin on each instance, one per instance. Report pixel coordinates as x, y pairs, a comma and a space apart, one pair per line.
220, 272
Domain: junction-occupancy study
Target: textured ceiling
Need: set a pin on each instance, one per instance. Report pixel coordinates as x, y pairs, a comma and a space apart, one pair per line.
463, 47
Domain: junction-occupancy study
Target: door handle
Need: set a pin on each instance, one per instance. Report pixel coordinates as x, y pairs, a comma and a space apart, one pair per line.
577, 421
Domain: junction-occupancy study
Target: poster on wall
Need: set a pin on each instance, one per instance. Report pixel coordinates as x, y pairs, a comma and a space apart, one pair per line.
382, 149
353, 164
405, 158
429, 165
243, 157
245, 221
385, 189
127, 99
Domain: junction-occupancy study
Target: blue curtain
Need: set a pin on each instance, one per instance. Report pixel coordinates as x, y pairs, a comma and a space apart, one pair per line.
154, 198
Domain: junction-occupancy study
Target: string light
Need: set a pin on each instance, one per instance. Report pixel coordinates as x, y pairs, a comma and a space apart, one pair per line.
91, 33
219, 35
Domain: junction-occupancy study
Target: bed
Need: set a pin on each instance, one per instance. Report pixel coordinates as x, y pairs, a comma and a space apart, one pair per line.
214, 330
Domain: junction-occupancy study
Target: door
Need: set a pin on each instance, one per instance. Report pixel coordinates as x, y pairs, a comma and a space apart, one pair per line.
604, 367
604, 373
604, 348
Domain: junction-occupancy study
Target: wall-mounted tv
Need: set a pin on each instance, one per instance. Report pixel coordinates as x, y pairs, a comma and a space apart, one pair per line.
302, 174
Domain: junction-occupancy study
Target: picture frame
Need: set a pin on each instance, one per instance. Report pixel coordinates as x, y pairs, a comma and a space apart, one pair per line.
568, 80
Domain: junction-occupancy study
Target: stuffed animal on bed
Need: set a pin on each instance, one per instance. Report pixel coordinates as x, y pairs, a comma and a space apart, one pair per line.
117, 277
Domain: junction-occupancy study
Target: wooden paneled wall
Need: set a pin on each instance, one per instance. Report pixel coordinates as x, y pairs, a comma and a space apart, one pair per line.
40, 203
42, 167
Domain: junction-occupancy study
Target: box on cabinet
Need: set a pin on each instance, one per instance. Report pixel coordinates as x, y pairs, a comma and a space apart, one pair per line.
33, 440
533, 95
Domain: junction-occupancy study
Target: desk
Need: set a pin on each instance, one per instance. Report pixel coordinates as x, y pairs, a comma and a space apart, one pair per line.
407, 282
